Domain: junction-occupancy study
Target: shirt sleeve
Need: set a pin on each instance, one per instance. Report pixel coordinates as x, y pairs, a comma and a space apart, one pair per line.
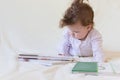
97, 47
64, 45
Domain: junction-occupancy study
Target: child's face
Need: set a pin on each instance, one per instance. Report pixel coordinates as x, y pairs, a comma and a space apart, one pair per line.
78, 31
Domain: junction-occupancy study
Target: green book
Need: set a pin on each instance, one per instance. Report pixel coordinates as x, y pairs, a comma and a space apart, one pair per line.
88, 67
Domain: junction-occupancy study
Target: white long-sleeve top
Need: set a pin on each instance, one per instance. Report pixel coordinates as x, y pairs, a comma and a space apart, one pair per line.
90, 47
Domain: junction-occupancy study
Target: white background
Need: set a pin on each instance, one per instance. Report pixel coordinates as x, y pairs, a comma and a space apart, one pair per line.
32, 26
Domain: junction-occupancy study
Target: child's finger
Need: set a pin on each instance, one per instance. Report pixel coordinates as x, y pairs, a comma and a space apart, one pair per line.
61, 54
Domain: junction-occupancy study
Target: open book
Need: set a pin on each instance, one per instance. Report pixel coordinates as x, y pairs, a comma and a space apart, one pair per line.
50, 58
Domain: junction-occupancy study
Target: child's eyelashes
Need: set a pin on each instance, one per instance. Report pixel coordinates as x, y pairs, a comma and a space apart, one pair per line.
76, 32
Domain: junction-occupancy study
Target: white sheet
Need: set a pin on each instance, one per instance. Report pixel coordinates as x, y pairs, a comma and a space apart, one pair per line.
34, 71
8, 61
11, 70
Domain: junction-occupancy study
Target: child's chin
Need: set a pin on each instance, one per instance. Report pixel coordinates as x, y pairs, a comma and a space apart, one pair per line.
81, 38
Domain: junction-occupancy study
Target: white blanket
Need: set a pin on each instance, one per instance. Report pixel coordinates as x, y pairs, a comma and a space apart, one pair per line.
12, 69
35, 71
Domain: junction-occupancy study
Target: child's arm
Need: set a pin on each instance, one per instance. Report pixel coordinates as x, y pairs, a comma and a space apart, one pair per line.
97, 47
64, 47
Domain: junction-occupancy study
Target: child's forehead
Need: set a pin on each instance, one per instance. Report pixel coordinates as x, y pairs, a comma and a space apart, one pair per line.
76, 26
75, 29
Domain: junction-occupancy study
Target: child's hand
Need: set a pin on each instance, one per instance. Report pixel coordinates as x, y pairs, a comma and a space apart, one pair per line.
71, 34
61, 54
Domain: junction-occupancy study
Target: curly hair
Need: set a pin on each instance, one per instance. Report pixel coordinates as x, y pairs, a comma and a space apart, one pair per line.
78, 11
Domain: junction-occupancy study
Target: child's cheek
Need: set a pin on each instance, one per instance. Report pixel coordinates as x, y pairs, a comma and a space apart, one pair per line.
76, 36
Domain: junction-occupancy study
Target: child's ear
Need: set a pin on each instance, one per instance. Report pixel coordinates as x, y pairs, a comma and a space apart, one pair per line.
89, 27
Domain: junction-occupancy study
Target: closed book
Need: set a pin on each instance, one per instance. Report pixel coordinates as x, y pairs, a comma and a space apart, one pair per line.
86, 67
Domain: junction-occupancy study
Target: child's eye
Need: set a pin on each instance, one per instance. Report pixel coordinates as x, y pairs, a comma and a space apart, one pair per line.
76, 32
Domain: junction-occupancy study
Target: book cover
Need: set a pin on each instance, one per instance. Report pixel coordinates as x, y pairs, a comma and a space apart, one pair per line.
87, 67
